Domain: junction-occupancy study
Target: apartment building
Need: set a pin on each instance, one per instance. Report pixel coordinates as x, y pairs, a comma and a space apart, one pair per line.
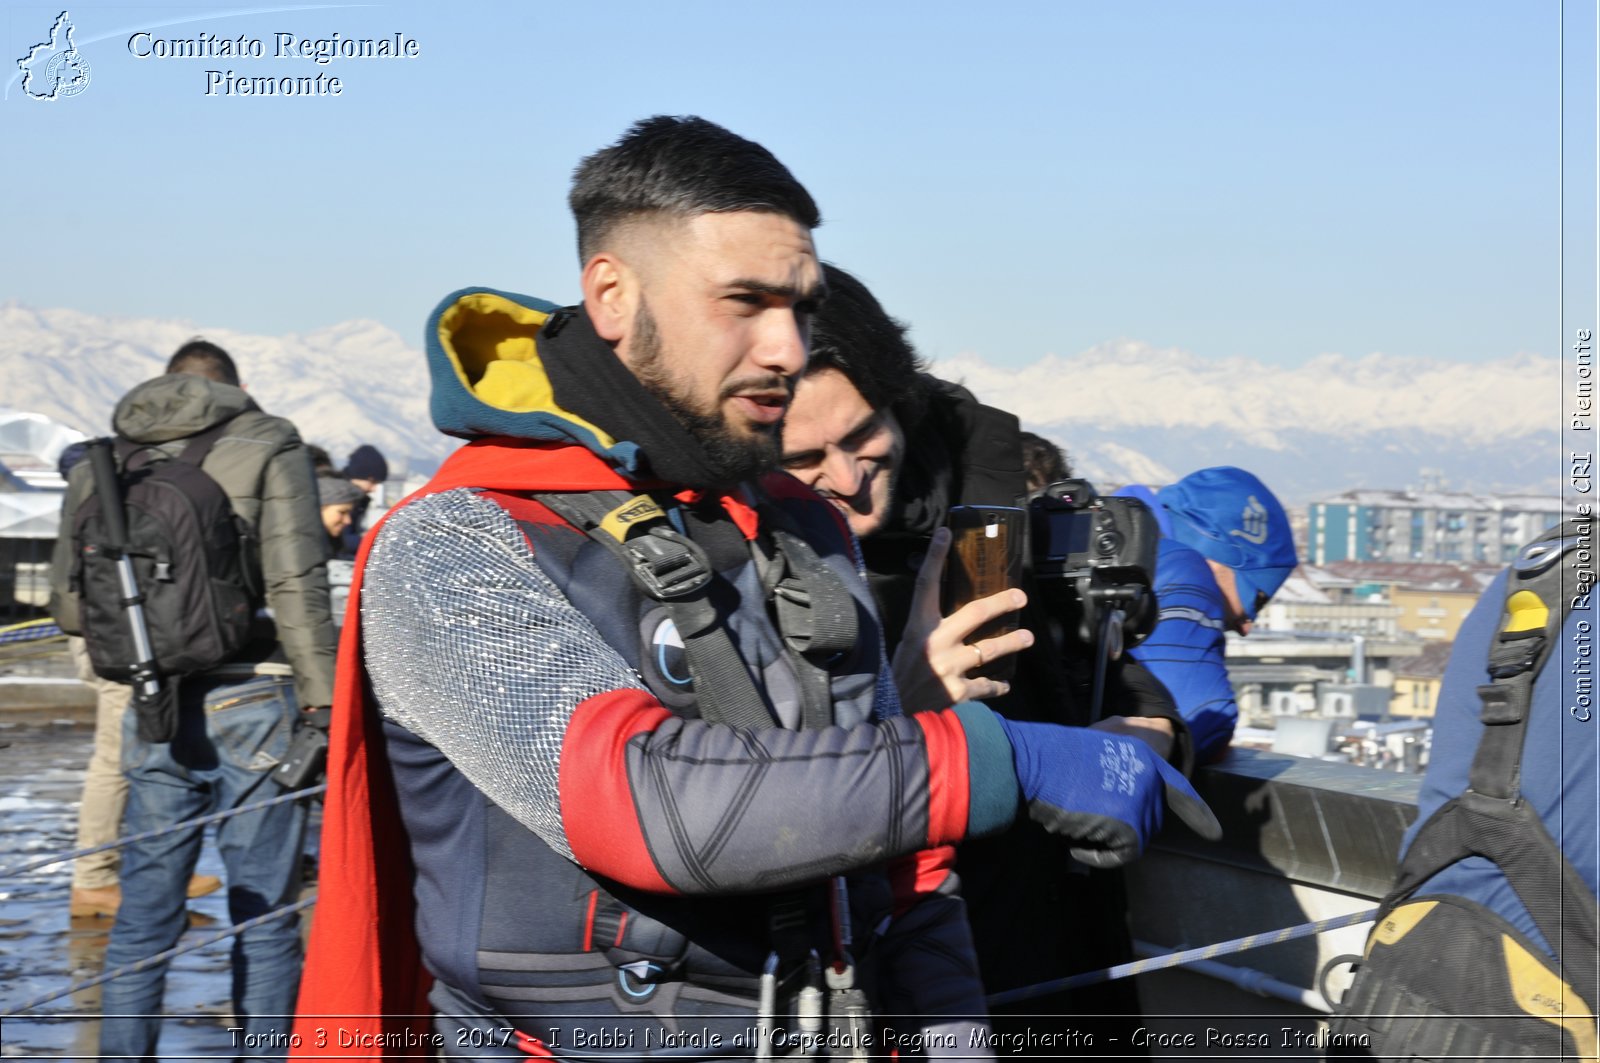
1426, 526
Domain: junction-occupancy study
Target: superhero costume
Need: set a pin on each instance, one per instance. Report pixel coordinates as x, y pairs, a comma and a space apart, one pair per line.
585, 785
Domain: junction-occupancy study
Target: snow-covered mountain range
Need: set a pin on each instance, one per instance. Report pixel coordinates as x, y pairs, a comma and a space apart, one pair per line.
352, 383
1125, 411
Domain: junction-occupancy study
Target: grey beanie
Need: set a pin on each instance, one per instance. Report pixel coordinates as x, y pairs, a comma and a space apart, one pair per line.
333, 490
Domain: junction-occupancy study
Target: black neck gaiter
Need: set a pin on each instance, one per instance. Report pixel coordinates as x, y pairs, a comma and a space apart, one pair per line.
591, 381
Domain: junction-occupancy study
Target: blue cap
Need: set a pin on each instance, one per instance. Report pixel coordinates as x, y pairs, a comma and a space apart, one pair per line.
1229, 516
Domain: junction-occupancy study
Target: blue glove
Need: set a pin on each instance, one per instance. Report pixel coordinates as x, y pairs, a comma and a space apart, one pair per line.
1103, 792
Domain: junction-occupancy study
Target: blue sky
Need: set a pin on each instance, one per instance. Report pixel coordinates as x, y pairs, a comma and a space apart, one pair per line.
1265, 179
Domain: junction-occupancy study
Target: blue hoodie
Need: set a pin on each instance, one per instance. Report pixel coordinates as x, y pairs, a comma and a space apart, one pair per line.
1220, 514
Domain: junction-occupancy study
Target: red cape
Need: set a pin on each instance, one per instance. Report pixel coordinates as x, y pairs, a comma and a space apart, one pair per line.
363, 993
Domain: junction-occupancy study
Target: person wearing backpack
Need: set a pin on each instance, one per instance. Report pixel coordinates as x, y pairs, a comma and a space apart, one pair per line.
95, 890
1485, 947
231, 720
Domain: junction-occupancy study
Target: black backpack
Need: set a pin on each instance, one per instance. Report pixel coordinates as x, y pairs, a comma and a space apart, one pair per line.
1445, 977
193, 562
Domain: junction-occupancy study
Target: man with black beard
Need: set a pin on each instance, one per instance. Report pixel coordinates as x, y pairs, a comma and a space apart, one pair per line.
615, 708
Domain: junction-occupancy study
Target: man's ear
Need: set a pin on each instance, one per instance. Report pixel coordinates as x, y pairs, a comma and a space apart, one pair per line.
611, 295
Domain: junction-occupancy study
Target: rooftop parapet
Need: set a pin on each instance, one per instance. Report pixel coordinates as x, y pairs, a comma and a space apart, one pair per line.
1303, 840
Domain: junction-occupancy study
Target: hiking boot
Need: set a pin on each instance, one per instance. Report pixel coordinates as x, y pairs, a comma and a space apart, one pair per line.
200, 885
102, 901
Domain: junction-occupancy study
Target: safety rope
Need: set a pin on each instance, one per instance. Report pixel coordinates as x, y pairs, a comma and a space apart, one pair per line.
293, 795
1124, 970
161, 957
1010, 996
1178, 959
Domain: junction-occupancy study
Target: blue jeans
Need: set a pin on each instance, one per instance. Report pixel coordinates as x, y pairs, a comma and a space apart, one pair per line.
230, 736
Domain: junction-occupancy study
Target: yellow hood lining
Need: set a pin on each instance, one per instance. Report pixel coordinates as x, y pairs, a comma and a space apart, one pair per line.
489, 340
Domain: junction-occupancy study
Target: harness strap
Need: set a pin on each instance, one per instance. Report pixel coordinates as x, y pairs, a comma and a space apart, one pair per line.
1517, 842
813, 609
815, 612
1530, 626
672, 569
1490, 819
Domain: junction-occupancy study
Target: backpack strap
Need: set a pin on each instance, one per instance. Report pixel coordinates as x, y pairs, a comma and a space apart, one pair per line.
1490, 819
1530, 626
672, 569
132, 456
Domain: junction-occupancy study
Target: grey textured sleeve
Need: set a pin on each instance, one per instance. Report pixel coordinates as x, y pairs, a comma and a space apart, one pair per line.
471, 647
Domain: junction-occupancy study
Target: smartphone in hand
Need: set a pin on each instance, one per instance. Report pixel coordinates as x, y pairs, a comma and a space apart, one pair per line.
986, 553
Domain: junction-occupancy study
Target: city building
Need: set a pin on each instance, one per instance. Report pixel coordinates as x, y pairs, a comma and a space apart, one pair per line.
1416, 681
1430, 526
1349, 675
1311, 603
1430, 600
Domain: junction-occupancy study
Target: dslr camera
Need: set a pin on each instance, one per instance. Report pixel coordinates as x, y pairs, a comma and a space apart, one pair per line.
1094, 560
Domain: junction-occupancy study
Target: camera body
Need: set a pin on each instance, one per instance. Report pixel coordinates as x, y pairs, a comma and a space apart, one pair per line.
305, 761
1094, 560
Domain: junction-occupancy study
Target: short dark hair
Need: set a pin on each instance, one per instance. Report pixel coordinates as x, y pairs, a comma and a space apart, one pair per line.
681, 166
852, 333
1043, 461
321, 462
204, 358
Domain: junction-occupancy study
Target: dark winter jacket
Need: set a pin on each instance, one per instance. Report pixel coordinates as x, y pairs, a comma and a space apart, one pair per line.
261, 463
1034, 916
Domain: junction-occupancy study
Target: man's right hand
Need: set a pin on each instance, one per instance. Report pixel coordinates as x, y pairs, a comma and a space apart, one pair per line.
933, 658
1105, 793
